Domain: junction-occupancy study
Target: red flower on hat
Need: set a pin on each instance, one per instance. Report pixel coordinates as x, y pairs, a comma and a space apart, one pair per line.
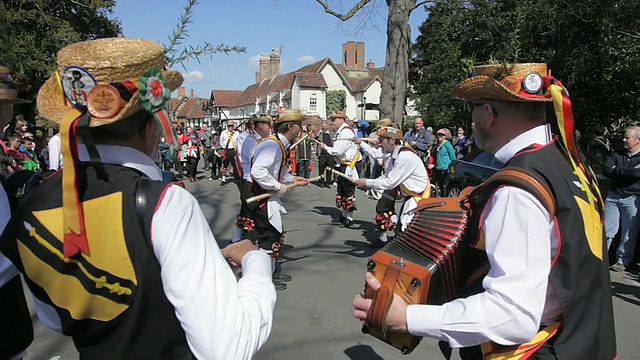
153, 94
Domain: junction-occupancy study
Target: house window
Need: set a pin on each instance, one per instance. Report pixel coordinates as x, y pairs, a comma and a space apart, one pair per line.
313, 104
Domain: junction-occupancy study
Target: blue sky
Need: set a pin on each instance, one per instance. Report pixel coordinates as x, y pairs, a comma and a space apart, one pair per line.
300, 27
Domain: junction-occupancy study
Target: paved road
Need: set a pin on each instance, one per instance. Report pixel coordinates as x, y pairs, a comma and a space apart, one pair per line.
313, 316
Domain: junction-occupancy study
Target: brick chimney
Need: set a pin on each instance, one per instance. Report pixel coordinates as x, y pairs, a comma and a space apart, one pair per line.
274, 63
360, 54
264, 68
191, 93
349, 53
181, 91
371, 64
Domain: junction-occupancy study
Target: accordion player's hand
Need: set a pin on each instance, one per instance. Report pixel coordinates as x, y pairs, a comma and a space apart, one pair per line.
396, 319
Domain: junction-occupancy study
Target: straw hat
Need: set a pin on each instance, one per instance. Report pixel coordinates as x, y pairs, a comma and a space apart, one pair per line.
231, 123
290, 115
386, 122
263, 119
8, 95
390, 132
338, 115
112, 77
512, 83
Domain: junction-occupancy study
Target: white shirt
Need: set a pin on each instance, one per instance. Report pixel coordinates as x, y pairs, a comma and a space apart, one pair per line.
520, 240
247, 149
267, 161
344, 150
55, 155
404, 168
226, 143
221, 317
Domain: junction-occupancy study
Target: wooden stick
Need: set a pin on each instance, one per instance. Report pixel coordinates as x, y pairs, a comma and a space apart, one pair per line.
342, 175
351, 179
316, 140
363, 139
299, 141
288, 186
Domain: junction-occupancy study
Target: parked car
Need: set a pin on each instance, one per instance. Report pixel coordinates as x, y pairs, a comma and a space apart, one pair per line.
470, 170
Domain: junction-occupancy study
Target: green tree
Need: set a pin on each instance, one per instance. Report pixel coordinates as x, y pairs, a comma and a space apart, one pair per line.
335, 100
32, 32
592, 46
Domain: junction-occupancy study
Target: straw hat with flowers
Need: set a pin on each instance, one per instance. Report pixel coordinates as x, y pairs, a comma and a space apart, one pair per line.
390, 132
97, 83
338, 115
120, 77
507, 82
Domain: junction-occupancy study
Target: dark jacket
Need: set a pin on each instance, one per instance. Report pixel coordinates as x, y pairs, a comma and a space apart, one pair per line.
624, 172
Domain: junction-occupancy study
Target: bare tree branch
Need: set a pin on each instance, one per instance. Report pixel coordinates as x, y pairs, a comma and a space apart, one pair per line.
79, 4
635, 36
349, 14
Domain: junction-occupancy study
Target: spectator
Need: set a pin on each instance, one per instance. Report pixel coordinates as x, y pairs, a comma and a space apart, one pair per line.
621, 203
419, 137
460, 142
445, 155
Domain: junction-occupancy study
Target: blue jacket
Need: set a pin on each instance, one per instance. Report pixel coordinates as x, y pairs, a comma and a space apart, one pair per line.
445, 155
621, 169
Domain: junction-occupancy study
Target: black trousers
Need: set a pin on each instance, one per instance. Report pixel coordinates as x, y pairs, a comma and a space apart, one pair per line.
326, 161
246, 191
345, 187
230, 158
216, 164
192, 166
269, 238
304, 168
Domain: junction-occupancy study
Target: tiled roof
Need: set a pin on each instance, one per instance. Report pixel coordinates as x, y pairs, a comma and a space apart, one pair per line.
193, 108
224, 98
311, 80
306, 76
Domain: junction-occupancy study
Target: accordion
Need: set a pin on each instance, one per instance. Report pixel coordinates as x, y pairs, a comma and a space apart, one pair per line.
419, 265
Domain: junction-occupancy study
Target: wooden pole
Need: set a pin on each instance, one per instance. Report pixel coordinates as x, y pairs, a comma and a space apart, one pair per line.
299, 141
288, 186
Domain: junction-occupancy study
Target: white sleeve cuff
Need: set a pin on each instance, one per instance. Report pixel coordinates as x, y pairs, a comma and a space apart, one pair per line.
424, 320
256, 262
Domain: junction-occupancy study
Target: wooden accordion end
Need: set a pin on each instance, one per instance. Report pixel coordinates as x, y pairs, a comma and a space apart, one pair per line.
419, 265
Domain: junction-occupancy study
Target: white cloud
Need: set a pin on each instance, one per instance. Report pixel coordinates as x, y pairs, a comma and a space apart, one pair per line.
254, 63
194, 76
306, 59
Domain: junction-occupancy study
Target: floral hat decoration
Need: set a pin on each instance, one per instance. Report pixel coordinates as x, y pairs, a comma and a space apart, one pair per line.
96, 83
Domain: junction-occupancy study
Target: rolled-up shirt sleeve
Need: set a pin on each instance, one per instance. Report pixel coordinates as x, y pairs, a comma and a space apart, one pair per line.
509, 311
222, 318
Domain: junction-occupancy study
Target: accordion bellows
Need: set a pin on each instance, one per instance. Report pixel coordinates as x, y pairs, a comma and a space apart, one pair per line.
420, 266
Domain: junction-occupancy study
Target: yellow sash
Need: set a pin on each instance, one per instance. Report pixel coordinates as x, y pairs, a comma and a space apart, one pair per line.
353, 162
490, 351
424, 195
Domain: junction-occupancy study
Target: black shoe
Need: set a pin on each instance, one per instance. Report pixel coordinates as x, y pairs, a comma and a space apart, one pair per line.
222, 183
341, 219
279, 285
281, 277
377, 244
347, 222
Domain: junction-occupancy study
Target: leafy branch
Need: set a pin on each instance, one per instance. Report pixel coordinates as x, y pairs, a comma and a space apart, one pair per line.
180, 33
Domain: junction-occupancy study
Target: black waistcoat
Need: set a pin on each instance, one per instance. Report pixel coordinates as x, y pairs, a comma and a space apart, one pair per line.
111, 302
579, 273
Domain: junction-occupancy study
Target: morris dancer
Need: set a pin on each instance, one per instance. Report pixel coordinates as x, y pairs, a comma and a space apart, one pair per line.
406, 172
268, 172
228, 141
125, 281
535, 267
348, 155
244, 220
